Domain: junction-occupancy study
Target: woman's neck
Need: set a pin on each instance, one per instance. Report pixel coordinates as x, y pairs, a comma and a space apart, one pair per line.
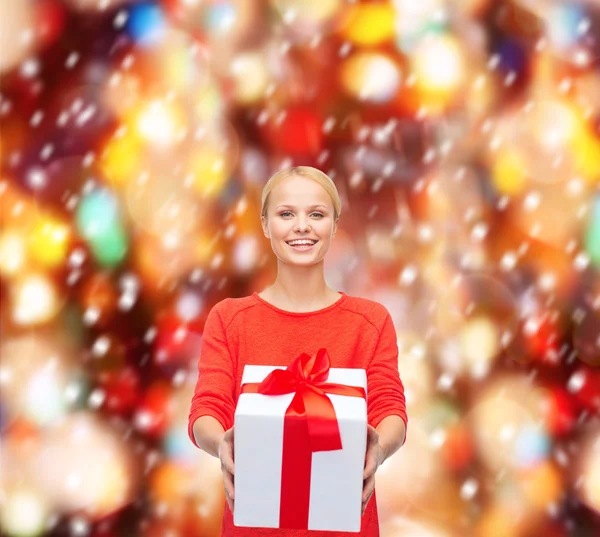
300, 299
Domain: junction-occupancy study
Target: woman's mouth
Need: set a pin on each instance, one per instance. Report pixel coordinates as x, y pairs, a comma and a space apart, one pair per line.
302, 246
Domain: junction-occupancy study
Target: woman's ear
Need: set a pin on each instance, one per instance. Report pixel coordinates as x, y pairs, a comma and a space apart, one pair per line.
264, 226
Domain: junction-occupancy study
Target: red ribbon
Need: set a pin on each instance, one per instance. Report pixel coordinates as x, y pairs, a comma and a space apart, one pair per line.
310, 425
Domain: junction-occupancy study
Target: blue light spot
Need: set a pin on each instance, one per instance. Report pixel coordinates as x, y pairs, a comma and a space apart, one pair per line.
512, 56
563, 23
220, 17
532, 447
146, 23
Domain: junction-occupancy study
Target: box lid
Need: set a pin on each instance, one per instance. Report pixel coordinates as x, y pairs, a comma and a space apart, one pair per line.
258, 404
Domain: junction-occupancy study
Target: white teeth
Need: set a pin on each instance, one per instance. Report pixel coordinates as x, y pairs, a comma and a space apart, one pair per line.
301, 243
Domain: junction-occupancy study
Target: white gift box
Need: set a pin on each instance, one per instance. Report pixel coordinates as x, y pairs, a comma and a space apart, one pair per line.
336, 480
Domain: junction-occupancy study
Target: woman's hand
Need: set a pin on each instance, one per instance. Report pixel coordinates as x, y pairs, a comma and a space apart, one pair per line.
226, 457
373, 459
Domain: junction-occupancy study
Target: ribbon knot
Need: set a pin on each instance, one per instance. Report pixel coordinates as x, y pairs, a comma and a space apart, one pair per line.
307, 376
300, 383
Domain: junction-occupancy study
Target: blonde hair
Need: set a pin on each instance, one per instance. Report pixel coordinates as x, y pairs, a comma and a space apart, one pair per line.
305, 171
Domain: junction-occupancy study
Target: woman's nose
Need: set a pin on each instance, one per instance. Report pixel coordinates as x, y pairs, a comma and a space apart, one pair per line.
302, 225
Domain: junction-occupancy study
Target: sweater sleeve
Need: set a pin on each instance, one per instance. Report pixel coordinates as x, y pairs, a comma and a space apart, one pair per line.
214, 392
385, 391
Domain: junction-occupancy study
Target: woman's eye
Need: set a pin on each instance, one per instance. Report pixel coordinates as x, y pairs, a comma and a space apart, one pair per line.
288, 212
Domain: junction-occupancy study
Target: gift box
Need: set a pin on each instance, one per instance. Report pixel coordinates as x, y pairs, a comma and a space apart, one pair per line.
300, 436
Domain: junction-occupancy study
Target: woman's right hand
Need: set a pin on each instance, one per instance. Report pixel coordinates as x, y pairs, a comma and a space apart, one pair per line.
226, 457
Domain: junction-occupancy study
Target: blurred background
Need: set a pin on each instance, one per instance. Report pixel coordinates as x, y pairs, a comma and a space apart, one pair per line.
464, 139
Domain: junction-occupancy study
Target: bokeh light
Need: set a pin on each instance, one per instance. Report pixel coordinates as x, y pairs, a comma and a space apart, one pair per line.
13, 252
164, 206
49, 242
146, 23
34, 300
588, 478
506, 424
17, 39
439, 65
35, 374
479, 315
83, 466
99, 221
23, 513
251, 77
371, 77
368, 24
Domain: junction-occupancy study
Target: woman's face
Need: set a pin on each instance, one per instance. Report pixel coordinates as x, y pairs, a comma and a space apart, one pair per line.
299, 208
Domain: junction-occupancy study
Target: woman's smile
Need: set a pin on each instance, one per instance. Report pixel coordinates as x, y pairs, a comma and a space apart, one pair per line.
302, 246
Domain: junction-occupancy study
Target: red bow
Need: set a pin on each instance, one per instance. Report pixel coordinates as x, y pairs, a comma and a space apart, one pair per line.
310, 425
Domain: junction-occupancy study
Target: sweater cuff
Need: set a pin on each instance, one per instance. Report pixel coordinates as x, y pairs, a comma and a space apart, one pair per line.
199, 414
380, 418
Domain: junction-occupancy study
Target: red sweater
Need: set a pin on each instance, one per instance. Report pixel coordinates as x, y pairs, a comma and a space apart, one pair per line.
357, 333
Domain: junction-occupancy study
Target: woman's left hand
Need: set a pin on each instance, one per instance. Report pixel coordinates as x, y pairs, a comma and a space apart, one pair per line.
373, 459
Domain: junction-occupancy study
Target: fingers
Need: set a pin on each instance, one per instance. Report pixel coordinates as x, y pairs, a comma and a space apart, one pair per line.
230, 502
227, 458
365, 504
229, 482
227, 464
371, 455
229, 489
364, 507
228, 468
368, 489
370, 466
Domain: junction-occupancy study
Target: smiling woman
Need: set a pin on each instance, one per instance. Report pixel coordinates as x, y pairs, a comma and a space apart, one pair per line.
301, 209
